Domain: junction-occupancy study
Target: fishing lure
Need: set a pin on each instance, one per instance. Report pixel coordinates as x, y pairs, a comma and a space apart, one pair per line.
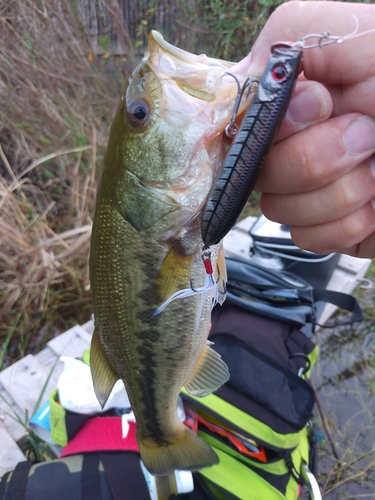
252, 143
253, 140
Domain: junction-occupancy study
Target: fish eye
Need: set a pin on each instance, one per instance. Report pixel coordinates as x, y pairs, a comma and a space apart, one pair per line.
139, 113
279, 72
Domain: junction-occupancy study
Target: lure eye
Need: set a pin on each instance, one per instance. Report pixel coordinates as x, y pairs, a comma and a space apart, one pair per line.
139, 113
279, 73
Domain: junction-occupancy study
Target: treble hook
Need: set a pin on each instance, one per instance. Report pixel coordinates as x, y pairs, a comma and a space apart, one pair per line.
231, 129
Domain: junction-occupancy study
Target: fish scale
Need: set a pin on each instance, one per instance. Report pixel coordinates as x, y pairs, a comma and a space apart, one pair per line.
165, 149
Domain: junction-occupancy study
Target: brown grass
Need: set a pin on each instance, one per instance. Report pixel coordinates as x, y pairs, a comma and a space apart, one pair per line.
56, 102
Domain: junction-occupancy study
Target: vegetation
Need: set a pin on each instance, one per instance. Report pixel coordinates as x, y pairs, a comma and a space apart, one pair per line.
60, 81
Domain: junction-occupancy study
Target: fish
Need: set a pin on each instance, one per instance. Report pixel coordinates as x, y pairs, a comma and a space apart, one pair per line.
153, 286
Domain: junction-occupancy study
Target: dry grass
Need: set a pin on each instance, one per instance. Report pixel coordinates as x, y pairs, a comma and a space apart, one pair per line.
55, 112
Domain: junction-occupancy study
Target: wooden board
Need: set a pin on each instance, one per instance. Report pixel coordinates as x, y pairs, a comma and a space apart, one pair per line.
25, 381
8, 410
10, 454
72, 343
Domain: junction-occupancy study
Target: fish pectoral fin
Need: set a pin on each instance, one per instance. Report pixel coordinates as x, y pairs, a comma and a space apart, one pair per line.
211, 373
104, 378
174, 273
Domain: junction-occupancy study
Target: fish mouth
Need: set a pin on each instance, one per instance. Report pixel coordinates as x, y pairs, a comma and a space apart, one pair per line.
184, 56
199, 76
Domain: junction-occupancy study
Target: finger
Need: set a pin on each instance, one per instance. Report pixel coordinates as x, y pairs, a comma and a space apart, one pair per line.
311, 104
332, 202
356, 98
364, 249
318, 155
345, 63
347, 235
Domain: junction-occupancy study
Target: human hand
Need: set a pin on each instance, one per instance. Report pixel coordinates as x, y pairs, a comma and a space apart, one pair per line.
320, 175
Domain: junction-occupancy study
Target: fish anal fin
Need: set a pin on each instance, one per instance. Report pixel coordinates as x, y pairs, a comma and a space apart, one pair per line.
104, 378
210, 373
181, 451
174, 273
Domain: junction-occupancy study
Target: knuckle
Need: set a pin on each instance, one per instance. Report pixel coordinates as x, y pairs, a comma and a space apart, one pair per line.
354, 227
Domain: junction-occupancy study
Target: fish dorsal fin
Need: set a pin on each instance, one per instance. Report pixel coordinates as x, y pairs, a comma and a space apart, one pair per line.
211, 373
174, 273
104, 378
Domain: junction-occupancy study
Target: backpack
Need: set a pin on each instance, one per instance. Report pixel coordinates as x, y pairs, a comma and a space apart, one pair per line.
267, 403
260, 332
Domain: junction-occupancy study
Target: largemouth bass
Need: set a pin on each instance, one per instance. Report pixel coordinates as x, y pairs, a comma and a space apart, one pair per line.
164, 153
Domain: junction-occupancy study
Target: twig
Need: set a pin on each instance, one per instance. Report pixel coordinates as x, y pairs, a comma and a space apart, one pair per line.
325, 424
44, 159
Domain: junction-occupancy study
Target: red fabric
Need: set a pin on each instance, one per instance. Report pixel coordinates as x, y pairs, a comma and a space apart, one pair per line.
102, 434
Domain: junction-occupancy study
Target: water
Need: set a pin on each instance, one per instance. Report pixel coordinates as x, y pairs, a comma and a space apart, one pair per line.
344, 379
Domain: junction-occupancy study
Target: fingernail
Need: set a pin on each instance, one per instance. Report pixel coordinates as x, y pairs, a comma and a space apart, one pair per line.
307, 106
359, 137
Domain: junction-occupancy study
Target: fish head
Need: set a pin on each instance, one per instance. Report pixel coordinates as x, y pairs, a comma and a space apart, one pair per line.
166, 142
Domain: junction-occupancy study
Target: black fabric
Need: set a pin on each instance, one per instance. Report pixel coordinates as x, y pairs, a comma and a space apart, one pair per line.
277, 389
90, 477
125, 475
74, 422
264, 379
281, 295
342, 300
3, 485
54, 481
317, 274
277, 339
18, 482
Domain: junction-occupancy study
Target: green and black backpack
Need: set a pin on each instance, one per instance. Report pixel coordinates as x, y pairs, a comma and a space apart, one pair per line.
260, 422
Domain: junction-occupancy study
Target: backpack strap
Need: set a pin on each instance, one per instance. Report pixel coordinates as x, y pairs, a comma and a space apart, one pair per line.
131, 485
90, 477
342, 300
3, 484
16, 486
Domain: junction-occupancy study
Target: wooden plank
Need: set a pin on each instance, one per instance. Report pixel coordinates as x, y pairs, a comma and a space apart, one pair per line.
72, 343
25, 381
46, 357
89, 326
351, 265
16, 430
10, 453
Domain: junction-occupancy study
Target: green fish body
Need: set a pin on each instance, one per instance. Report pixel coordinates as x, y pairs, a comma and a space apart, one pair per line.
165, 151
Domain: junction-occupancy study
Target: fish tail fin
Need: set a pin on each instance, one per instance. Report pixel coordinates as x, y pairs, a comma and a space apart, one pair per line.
183, 451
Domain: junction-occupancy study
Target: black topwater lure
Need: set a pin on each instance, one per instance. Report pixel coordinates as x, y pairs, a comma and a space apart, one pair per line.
252, 143
253, 140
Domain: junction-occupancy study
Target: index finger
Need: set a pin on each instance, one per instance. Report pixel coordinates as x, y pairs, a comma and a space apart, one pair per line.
344, 63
